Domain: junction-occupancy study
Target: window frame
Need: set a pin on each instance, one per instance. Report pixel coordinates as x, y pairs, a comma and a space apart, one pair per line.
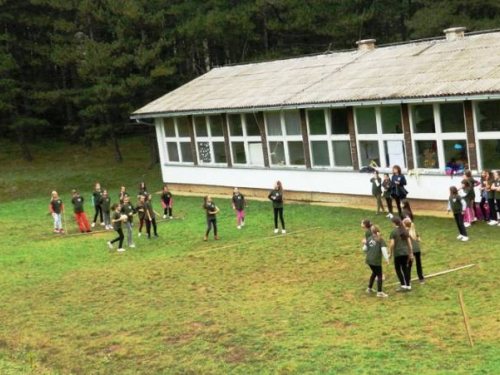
245, 138
210, 140
482, 136
177, 139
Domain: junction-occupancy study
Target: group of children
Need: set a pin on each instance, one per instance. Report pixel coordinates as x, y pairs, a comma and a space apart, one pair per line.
391, 188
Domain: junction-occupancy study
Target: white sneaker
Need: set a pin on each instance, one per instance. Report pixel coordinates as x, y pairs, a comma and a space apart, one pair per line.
388, 215
493, 222
276, 231
382, 294
391, 216
171, 217
92, 225
369, 290
464, 239
121, 250
459, 237
110, 245
239, 226
139, 234
102, 224
164, 216
467, 225
242, 223
132, 245
283, 231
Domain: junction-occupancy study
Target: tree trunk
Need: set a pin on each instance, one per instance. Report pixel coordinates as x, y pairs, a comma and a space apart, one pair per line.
22, 143
118, 152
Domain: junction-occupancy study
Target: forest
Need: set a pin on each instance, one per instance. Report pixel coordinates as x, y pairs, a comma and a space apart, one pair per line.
74, 70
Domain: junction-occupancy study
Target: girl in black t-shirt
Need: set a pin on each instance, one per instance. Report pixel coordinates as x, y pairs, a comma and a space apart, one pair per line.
56, 208
212, 211
167, 201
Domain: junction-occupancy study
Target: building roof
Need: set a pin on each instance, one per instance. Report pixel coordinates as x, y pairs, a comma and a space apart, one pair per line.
433, 68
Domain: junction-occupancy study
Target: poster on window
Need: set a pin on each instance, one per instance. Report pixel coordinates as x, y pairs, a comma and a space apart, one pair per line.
396, 153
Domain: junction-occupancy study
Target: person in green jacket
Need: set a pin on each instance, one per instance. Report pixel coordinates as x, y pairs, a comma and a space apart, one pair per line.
415, 241
377, 191
402, 252
276, 196
386, 193
375, 248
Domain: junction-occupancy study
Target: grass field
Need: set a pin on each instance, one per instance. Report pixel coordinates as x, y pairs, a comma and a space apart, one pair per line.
253, 302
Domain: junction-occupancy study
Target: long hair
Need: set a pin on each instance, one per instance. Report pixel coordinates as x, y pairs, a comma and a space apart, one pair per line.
205, 199
468, 173
402, 233
142, 186
453, 191
397, 168
411, 228
406, 206
375, 229
54, 194
366, 223
280, 187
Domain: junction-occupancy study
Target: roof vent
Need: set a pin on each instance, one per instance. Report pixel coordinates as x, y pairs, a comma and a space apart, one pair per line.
455, 33
366, 44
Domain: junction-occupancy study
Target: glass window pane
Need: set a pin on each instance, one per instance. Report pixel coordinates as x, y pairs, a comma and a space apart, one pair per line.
423, 118
490, 153
320, 154
235, 127
277, 151
395, 153
452, 117
369, 152
204, 153
296, 153
342, 153
239, 155
252, 125
200, 125
273, 122
216, 126
427, 154
366, 121
317, 124
173, 152
168, 125
340, 125
391, 119
187, 155
219, 152
455, 155
488, 116
293, 123
183, 126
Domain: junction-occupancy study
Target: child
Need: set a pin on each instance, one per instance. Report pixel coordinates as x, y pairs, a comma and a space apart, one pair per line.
375, 248
239, 204
142, 190
140, 210
490, 196
387, 188
105, 204
96, 199
276, 196
473, 183
56, 207
212, 211
402, 251
496, 188
406, 211
117, 221
150, 216
123, 194
166, 201
128, 209
458, 206
377, 191
367, 225
467, 195
415, 242
81, 219
398, 187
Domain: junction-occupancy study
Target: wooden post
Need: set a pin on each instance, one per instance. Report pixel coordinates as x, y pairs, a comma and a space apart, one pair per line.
263, 137
193, 140
471, 135
352, 137
405, 121
227, 144
305, 138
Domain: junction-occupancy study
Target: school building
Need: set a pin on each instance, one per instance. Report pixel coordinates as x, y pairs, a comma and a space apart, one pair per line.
313, 122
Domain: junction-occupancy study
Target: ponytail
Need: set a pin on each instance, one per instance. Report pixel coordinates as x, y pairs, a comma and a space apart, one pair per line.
402, 232
375, 229
411, 228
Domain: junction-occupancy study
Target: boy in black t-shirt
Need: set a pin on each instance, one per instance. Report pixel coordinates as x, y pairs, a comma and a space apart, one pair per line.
117, 221
80, 216
106, 209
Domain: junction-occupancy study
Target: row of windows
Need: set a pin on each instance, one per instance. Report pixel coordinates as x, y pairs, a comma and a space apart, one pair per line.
439, 138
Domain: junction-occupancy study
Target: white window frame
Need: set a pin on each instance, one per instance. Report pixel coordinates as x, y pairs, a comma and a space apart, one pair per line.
438, 136
285, 139
381, 138
210, 140
329, 137
482, 136
245, 138
177, 139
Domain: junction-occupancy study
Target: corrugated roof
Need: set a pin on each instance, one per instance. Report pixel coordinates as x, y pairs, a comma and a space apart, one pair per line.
467, 66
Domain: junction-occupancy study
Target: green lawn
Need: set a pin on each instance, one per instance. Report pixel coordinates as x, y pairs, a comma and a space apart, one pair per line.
253, 302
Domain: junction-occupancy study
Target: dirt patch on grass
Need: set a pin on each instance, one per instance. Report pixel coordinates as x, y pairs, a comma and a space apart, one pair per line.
235, 355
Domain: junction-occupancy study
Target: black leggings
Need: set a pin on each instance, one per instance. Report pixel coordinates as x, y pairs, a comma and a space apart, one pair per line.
148, 226
141, 224
398, 204
211, 222
459, 219
403, 269
483, 209
418, 264
493, 211
98, 212
280, 212
376, 272
119, 238
167, 211
389, 204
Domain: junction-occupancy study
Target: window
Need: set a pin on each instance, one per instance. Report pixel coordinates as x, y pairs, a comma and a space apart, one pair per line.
273, 123
245, 140
216, 126
277, 151
239, 155
285, 144
210, 140
177, 140
339, 122
292, 123
317, 124
391, 119
366, 120
487, 123
369, 153
219, 152
251, 125
296, 151
488, 116
235, 125
489, 150
200, 124
320, 154
423, 118
342, 153
455, 155
426, 154
452, 117
394, 153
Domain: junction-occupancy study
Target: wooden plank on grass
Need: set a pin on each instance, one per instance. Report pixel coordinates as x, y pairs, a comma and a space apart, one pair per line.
466, 322
442, 272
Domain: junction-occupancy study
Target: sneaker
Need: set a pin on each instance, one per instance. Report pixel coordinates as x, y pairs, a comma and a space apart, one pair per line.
465, 239
391, 216
459, 237
369, 290
239, 227
139, 234
102, 224
408, 288
467, 225
88, 230
388, 215
422, 281
216, 237
492, 222
164, 216
276, 231
383, 276
55, 230
242, 223
283, 231
401, 289
156, 235
132, 245
121, 250
382, 294
110, 245
92, 225
171, 217
205, 238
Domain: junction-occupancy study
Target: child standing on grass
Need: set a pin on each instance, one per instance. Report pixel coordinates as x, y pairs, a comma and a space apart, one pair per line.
239, 204
402, 251
117, 221
276, 196
415, 242
80, 217
399, 191
123, 194
128, 209
367, 225
143, 190
496, 188
141, 213
150, 216
375, 247
56, 209
472, 183
212, 211
96, 199
106, 209
457, 205
377, 191
467, 196
166, 201
387, 188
